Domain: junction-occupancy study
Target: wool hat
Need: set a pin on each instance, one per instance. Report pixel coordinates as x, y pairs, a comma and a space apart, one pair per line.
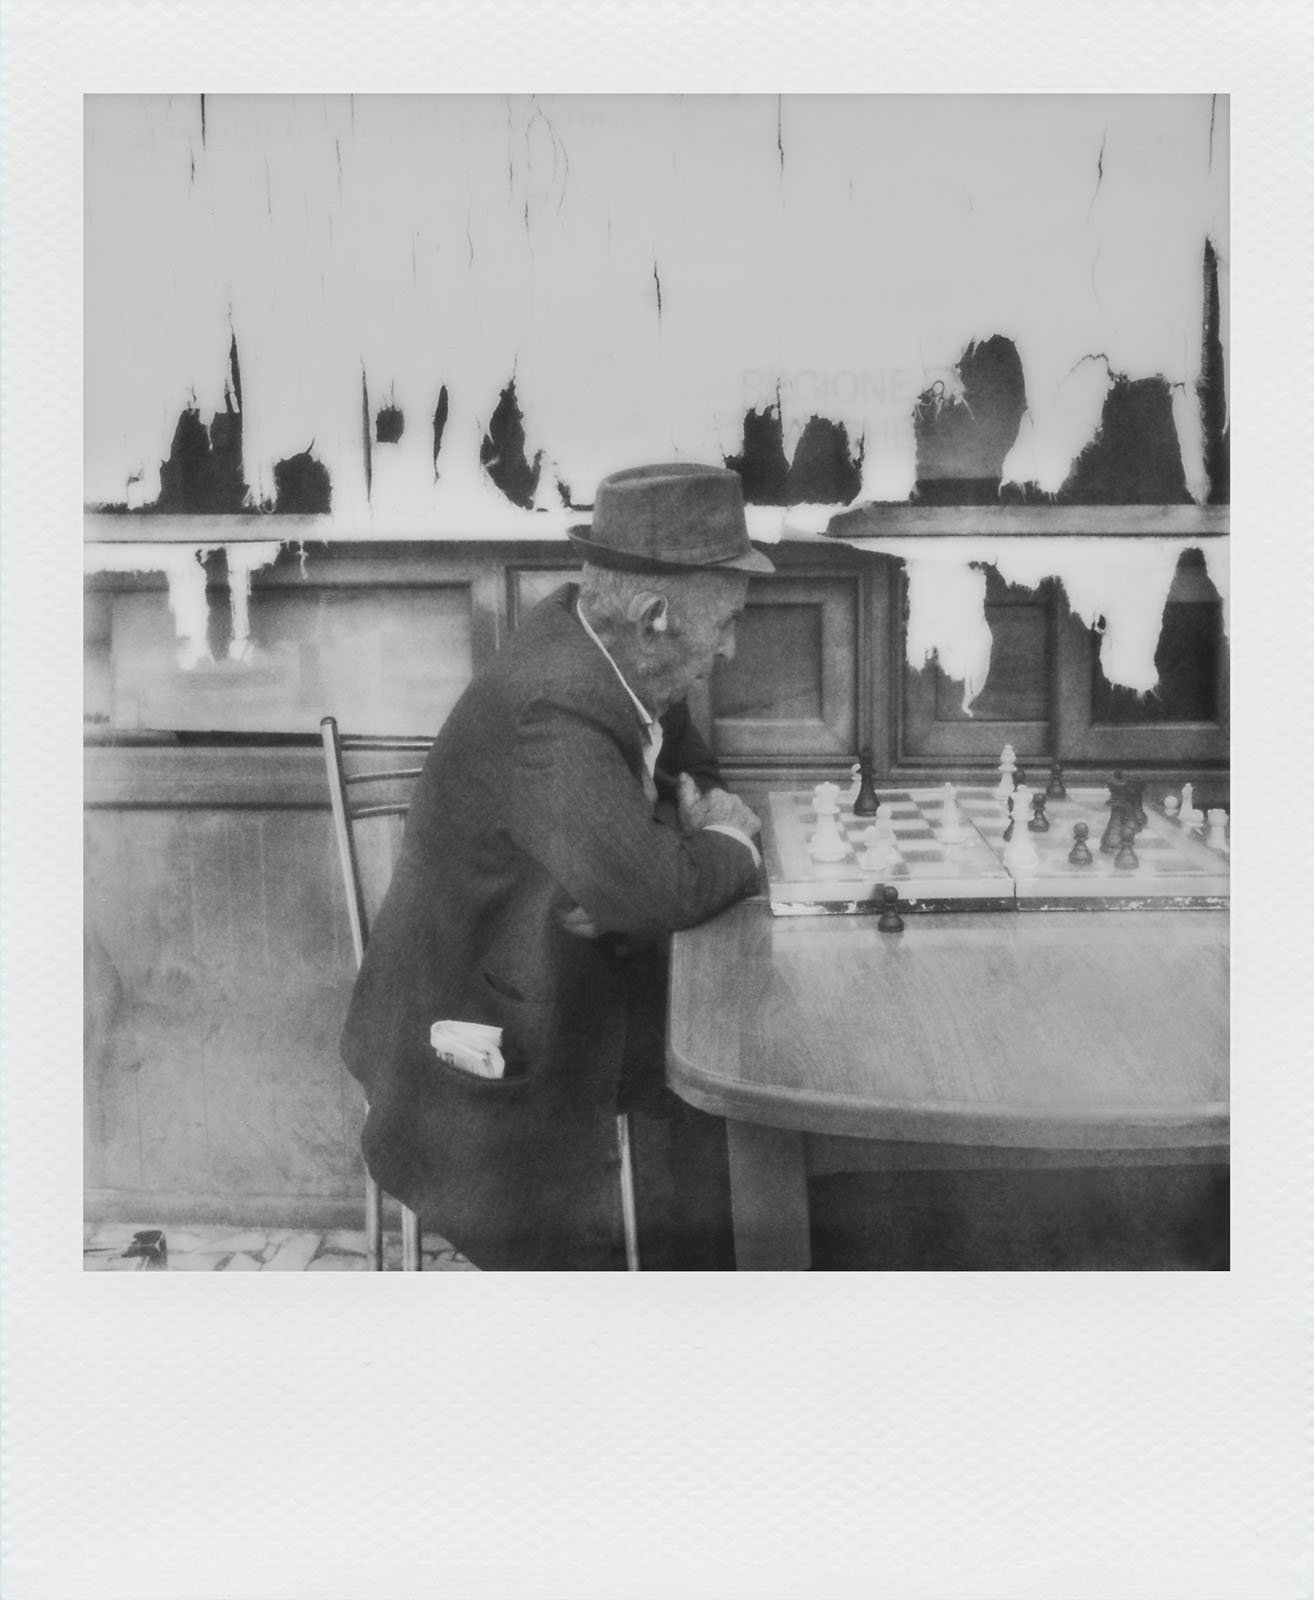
673, 518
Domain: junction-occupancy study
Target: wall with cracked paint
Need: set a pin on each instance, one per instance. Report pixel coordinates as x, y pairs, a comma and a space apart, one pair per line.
449, 316
646, 269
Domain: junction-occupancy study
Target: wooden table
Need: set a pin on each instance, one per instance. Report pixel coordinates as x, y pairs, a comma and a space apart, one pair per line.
969, 1039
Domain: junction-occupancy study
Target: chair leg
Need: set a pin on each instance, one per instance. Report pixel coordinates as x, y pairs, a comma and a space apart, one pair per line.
412, 1260
373, 1225
629, 1210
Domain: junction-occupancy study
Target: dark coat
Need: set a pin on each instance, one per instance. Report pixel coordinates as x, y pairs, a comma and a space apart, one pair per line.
531, 803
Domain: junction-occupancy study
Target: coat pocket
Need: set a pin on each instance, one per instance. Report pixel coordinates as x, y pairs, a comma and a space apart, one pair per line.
511, 1084
528, 1026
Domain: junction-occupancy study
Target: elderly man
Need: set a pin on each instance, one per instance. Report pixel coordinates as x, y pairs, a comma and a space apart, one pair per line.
568, 820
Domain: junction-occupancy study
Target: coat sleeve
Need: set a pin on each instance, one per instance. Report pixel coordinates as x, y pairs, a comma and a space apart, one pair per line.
578, 810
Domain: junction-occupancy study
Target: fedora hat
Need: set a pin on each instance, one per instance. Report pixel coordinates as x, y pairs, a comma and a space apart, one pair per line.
673, 518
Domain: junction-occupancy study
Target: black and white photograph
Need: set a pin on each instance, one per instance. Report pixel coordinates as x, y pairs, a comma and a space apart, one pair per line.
788, 535
657, 663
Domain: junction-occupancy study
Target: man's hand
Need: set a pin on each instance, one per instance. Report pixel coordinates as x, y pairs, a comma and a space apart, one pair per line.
717, 805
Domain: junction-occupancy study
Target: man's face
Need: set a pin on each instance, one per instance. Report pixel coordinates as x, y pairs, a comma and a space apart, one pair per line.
700, 626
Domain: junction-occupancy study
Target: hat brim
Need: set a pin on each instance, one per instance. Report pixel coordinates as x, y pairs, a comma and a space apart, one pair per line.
602, 555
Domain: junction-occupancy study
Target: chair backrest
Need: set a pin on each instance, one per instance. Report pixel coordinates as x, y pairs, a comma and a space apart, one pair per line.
369, 782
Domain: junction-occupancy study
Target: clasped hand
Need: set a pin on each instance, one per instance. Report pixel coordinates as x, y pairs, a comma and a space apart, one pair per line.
698, 810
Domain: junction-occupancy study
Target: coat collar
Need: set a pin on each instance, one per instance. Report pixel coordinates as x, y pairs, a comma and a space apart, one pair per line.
553, 630
650, 723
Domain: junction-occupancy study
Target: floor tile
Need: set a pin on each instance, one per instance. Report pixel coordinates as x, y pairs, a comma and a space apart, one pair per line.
346, 1240
184, 1241
294, 1254
195, 1261
223, 1248
119, 1232
249, 1240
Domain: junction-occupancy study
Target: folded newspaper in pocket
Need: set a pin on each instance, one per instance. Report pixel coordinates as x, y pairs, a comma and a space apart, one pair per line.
471, 1046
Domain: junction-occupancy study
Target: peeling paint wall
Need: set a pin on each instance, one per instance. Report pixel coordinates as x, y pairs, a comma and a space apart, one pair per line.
183, 567
1121, 584
449, 316
644, 270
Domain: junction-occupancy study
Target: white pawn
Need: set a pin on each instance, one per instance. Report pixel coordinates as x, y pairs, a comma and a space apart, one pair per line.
827, 843
1007, 767
951, 824
1217, 819
878, 852
1170, 804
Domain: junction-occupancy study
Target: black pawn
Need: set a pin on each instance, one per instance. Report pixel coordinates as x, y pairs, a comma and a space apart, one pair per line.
1055, 789
1135, 792
150, 1243
1080, 855
890, 921
866, 804
1127, 859
1039, 822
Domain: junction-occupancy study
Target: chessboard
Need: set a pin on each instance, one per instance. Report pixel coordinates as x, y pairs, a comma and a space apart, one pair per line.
1175, 868
928, 873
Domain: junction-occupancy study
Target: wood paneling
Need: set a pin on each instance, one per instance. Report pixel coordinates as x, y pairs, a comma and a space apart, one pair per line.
791, 690
386, 660
526, 586
217, 957
1185, 725
1015, 705
204, 777
1040, 522
218, 975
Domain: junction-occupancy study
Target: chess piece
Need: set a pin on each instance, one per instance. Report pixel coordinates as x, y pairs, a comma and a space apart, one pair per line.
1080, 855
1170, 805
1134, 790
1217, 820
866, 804
878, 852
1007, 767
951, 822
1112, 835
827, 843
153, 1247
1020, 851
1190, 814
1039, 822
890, 920
1126, 859
1055, 789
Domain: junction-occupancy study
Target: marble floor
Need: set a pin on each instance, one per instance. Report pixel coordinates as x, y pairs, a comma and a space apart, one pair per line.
166, 1247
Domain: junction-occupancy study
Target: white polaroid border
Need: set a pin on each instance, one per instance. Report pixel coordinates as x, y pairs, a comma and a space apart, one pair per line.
984, 1436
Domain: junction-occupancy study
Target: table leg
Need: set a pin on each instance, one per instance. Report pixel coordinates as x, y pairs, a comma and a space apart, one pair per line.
769, 1197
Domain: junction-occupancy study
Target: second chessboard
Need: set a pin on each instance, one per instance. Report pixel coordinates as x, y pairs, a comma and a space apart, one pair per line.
914, 851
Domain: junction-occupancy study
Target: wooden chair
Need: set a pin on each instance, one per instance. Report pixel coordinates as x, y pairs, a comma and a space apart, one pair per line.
369, 782
376, 794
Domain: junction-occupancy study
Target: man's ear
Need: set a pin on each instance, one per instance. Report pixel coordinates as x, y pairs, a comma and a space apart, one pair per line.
648, 610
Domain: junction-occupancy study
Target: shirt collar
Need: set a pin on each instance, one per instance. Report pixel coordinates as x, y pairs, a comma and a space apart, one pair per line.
651, 723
